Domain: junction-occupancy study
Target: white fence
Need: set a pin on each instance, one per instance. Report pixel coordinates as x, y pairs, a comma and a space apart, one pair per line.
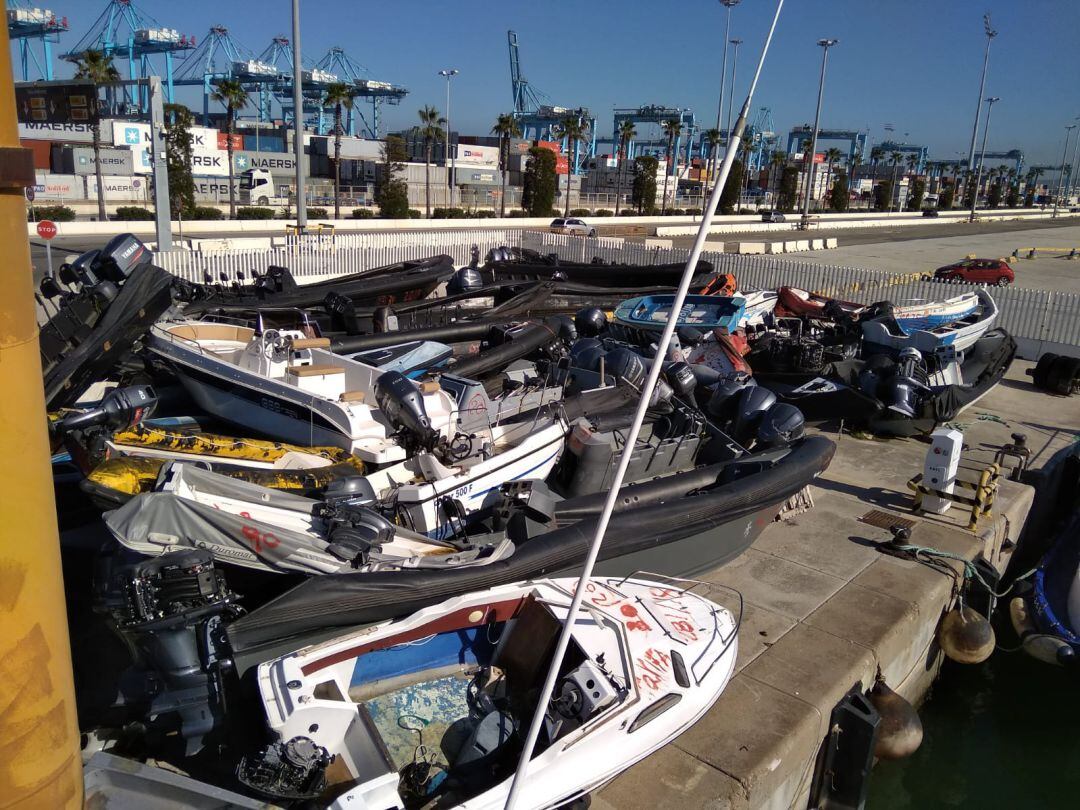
1040, 320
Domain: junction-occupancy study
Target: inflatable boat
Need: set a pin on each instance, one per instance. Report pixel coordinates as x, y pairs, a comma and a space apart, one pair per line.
521, 264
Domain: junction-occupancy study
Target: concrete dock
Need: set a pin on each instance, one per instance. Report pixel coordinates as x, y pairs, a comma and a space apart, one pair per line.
824, 609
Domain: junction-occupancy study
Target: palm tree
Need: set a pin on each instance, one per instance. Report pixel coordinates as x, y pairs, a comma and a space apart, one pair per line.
97, 68
912, 162
573, 129
876, 154
626, 134
895, 157
832, 156
713, 137
233, 95
779, 161
506, 127
431, 130
339, 96
672, 128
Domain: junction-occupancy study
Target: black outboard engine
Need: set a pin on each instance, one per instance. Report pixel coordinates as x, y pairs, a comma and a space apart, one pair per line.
586, 353
902, 393
121, 408
750, 407
120, 256
873, 373
467, 279
590, 322
354, 528
293, 770
500, 254
681, 379
170, 611
626, 366
782, 424
564, 327
402, 404
721, 405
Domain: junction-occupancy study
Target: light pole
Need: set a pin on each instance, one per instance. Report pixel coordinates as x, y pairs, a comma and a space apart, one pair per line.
734, 65
982, 157
1072, 167
825, 45
298, 119
450, 73
990, 34
728, 4
1061, 174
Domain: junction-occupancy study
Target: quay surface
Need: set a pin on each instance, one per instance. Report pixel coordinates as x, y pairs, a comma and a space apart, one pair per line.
825, 609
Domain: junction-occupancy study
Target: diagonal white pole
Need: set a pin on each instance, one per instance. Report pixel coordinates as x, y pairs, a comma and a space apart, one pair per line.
639, 418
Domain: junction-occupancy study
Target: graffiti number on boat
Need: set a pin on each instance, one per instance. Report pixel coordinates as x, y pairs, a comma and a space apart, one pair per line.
259, 541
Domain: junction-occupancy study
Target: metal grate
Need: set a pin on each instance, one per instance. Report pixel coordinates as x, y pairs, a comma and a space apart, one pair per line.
884, 520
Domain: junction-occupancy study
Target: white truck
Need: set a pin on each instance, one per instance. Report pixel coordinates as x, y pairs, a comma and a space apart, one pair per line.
257, 188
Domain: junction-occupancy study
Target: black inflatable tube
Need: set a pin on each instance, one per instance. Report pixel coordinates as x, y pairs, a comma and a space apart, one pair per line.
532, 337
451, 333
341, 600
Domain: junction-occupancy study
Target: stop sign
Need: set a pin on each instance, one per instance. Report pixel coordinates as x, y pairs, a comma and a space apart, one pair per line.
46, 229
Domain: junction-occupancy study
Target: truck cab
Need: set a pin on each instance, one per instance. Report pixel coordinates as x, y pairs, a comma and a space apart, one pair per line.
257, 188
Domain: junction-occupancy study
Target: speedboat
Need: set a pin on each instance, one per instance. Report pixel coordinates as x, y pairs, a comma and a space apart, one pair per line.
431, 709
704, 312
956, 324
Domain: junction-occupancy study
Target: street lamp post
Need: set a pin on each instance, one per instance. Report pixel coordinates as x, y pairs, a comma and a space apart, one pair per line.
825, 45
1061, 174
450, 73
734, 66
990, 34
728, 4
1072, 167
982, 157
298, 119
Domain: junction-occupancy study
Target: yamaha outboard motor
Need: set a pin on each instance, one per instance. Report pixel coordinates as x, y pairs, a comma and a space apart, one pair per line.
721, 405
467, 279
121, 408
901, 394
626, 366
499, 254
590, 322
120, 256
782, 424
750, 407
586, 354
170, 611
403, 406
564, 327
681, 379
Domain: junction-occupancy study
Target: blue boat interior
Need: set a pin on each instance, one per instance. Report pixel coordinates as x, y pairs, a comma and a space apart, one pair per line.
1053, 579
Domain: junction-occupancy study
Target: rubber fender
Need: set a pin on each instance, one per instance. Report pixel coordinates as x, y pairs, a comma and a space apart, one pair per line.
1040, 646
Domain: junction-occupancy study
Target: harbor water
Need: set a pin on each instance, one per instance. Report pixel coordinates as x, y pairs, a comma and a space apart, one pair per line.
1002, 734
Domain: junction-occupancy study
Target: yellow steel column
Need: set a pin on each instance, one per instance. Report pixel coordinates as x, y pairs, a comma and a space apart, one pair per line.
40, 765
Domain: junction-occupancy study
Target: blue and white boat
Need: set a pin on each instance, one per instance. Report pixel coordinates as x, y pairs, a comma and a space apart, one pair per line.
704, 312
956, 323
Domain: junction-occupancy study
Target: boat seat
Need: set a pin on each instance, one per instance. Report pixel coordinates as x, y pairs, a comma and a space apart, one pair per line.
310, 343
353, 396
315, 370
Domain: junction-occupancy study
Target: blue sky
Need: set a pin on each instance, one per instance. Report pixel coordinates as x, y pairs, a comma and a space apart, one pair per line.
910, 63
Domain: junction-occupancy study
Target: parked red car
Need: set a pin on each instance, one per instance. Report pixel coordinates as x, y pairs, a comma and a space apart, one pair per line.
977, 271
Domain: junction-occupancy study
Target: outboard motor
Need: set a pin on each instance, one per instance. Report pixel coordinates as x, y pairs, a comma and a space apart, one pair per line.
467, 279
121, 408
626, 366
499, 254
564, 327
902, 392
781, 425
750, 407
403, 406
120, 256
170, 611
590, 322
353, 530
873, 373
721, 405
586, 353
681, 379
81, 270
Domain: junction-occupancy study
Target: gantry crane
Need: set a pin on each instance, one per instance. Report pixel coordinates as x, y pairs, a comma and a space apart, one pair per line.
855, 139
125, 33
219, 57
337, 62
27, 25
538, 117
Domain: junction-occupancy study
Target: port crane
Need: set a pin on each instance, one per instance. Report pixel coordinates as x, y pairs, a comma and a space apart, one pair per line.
28, 25
855, 139
539, 118
337, 61
125, 33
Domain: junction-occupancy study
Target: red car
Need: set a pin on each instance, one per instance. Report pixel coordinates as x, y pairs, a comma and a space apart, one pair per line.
977, 271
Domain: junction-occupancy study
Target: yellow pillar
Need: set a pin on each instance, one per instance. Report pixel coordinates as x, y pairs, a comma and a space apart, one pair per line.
40, 764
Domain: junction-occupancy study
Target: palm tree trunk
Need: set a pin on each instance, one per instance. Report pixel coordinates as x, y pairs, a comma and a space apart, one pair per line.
569, 160
667, 174
427, 178
337, 161
505, 152
102, 216
232, 186
618, 177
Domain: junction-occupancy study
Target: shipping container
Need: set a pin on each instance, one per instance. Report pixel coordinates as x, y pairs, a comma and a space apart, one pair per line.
50, 186
477, 176
65, 133
264, 143
479, 140
126, 189
277, 163
478, 155
80, 160
42, 152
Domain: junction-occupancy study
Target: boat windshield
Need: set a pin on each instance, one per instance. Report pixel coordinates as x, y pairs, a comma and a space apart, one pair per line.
295, 320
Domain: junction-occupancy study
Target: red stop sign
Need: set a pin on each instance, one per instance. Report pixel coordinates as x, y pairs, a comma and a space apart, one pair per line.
46, 229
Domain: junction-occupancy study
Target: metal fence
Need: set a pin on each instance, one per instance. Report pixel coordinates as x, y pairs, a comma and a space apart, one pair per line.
1039, 319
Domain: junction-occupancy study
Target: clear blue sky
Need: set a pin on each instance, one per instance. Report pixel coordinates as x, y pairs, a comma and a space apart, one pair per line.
911, 63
